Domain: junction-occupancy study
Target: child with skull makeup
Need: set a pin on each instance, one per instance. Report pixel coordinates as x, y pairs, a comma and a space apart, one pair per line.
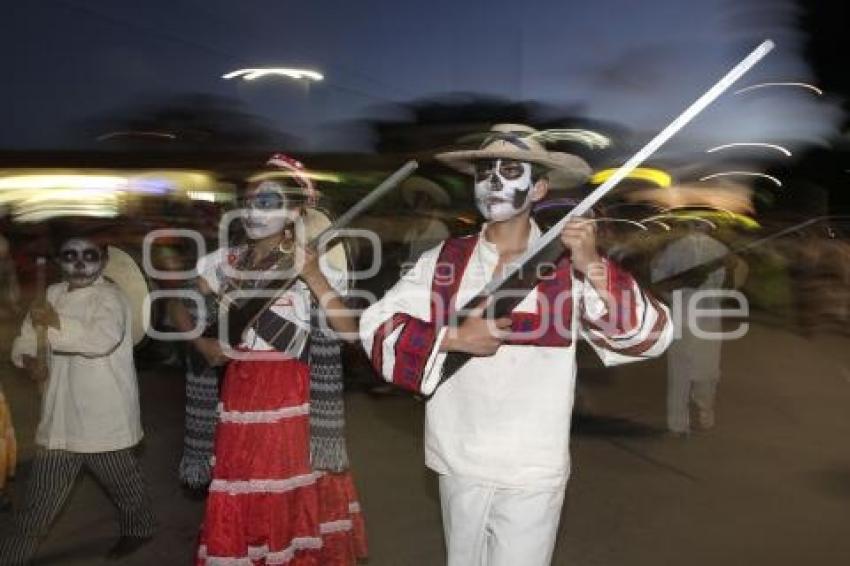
280, 490
90, 414
497, 432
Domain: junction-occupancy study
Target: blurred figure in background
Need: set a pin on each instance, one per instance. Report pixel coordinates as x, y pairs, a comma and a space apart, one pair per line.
8, 452
10, 296
692, 263
202, 382
821, 269
10, 291
90, 414
425, 198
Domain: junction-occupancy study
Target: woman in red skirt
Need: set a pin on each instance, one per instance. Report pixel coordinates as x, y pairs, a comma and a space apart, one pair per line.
280, 491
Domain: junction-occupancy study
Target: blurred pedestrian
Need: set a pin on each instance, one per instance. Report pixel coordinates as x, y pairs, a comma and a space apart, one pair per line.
690, 266
202, 385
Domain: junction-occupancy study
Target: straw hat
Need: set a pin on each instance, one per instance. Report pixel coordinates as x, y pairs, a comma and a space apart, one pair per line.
416, 185
518, 142
315, 222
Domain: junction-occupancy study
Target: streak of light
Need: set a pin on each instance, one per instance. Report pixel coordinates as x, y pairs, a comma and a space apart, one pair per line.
555, 204
812, 88
771, 178
55, 212
627, 221
28, 182
43, 205
654, 221
207, 196
719, 213
689, 208
292, 73
314, 175
35, 195
657, 176
778, 148
140, 133
681, 217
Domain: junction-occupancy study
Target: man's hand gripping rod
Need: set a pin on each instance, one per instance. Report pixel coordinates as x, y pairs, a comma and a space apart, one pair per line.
524, 274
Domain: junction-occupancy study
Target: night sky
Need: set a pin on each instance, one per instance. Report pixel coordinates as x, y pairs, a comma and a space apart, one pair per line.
69, 62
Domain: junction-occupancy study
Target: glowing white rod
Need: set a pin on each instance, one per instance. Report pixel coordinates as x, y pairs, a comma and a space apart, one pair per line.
698, 106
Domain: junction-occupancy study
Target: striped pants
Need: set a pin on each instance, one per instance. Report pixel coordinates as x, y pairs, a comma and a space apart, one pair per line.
53, 475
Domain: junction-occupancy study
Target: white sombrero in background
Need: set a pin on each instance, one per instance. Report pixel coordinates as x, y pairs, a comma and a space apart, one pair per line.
315, 221
518, 142
420, 185
123, 270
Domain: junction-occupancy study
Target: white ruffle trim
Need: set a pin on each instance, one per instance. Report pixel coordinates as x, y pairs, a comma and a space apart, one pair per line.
264, 486
262, 553
281, 556
257, 417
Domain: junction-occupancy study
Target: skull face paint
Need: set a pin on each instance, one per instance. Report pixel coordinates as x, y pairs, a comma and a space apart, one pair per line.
502, 188
269, 209
82, 261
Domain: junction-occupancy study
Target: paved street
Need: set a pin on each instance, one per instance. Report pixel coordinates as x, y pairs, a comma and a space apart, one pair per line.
771, 485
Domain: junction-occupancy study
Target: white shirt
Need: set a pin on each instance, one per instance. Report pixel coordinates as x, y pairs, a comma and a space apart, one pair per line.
294, 305
691, 250
91, 403
503, 419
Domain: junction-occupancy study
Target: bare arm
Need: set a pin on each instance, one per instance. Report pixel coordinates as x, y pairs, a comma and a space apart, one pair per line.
209, 348
179, 315
339, 316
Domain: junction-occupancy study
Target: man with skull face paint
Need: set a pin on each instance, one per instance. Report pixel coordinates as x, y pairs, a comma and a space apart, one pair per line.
281, 491
90, 409
497, 432
503, 188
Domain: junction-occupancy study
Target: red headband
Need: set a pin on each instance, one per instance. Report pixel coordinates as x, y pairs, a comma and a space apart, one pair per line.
299, 173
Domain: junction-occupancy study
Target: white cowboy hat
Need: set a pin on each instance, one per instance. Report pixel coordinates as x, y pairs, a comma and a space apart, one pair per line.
413, 185
518, 142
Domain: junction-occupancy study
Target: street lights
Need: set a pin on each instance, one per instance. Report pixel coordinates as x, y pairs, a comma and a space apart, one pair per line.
302, 76
257, 73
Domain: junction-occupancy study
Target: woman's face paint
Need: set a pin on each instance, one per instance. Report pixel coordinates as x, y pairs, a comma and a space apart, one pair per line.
268, 210
502, 188
82, 261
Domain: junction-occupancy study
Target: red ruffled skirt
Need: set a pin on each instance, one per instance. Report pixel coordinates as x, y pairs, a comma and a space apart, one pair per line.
266, 505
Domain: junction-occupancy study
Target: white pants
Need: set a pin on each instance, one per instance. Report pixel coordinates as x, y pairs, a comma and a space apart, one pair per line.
493, 526
693, 371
